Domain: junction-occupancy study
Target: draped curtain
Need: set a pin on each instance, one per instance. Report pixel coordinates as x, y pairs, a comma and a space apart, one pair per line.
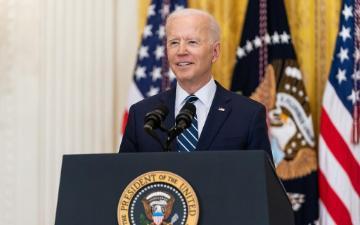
62, 91
313, 24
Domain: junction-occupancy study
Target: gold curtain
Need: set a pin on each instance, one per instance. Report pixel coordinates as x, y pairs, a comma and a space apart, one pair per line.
313, 25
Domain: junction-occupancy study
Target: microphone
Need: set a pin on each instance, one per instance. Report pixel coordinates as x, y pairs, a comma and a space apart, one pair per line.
154, 118
185, 117
182, 121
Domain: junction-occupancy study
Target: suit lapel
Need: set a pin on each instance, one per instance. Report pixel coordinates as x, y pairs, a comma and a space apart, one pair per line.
219, 111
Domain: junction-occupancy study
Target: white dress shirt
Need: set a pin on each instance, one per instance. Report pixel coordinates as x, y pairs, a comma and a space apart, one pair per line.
205, 98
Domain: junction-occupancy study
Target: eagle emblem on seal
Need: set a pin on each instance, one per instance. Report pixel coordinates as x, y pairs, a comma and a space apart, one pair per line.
158, 207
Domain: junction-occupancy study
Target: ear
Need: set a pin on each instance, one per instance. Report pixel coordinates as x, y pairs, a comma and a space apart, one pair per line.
216, 52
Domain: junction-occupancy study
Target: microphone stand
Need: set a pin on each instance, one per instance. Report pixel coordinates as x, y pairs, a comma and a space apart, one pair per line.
172, 133
153, 134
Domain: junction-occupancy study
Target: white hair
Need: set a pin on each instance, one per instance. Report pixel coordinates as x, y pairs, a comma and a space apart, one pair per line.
213, 24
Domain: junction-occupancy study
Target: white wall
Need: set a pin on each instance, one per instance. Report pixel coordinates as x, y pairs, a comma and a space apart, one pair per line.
65, 66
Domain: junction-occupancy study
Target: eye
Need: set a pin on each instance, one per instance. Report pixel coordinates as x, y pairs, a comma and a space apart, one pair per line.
193, 42
173, 43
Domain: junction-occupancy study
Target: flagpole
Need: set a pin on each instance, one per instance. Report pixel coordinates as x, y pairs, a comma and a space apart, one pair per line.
263, 51
356, 109
165, 65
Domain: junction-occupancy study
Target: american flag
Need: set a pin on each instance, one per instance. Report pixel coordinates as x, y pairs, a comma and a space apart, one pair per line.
151, 73
339, 148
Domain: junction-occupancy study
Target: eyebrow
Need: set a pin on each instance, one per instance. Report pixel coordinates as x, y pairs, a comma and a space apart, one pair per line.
172, 39
188, 38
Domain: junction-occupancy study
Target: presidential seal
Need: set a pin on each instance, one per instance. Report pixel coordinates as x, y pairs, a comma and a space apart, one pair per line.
158, 198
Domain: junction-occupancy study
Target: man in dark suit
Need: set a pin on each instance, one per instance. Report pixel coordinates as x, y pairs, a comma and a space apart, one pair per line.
223, 121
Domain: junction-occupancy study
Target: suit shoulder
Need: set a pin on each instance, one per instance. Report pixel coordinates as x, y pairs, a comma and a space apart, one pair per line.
152, 101
244, 101
239, 101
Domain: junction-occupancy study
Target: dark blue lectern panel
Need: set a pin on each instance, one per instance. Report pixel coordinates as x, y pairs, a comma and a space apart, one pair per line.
236, 187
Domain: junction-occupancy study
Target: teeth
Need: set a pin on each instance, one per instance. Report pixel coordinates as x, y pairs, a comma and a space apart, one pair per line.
183, 63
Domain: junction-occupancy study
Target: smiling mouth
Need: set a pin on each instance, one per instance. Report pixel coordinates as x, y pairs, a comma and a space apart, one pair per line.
182, 64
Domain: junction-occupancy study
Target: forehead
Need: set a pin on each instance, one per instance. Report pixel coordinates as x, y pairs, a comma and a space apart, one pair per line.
190, 25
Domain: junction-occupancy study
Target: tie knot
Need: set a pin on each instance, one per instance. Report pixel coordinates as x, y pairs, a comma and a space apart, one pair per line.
191, 98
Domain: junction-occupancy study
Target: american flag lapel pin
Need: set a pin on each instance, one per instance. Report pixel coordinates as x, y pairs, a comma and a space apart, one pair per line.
221, 109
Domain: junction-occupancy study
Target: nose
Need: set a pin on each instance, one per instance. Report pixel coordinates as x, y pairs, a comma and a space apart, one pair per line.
182, 50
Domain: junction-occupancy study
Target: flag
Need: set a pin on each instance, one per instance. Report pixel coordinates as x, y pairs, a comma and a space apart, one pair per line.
151, 73
339, 148
267, 71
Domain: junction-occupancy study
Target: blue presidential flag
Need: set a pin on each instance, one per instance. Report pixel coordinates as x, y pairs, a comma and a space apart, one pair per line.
267, 71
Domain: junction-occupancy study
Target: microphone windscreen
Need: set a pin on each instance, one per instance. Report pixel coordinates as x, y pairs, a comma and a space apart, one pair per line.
154, 118
162, 108
186, 115
189, 108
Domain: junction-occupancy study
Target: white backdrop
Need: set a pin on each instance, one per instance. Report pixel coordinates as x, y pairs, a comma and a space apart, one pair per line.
65, 66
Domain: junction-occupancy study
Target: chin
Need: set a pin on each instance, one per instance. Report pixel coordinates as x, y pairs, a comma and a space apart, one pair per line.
184, 77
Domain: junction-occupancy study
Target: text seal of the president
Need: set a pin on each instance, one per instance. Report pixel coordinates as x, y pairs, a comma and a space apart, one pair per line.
158, 198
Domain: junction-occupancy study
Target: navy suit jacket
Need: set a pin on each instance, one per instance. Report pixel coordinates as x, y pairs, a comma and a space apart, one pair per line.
234, 122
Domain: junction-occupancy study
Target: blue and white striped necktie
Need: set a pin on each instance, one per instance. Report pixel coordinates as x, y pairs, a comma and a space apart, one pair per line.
188, 139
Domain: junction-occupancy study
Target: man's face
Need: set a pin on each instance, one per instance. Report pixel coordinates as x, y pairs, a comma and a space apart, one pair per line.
191, 50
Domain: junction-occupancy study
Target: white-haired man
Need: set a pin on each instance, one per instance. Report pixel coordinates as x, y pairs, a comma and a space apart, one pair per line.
224, 120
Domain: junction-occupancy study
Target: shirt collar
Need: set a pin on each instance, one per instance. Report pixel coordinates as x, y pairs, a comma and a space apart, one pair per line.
205, 94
